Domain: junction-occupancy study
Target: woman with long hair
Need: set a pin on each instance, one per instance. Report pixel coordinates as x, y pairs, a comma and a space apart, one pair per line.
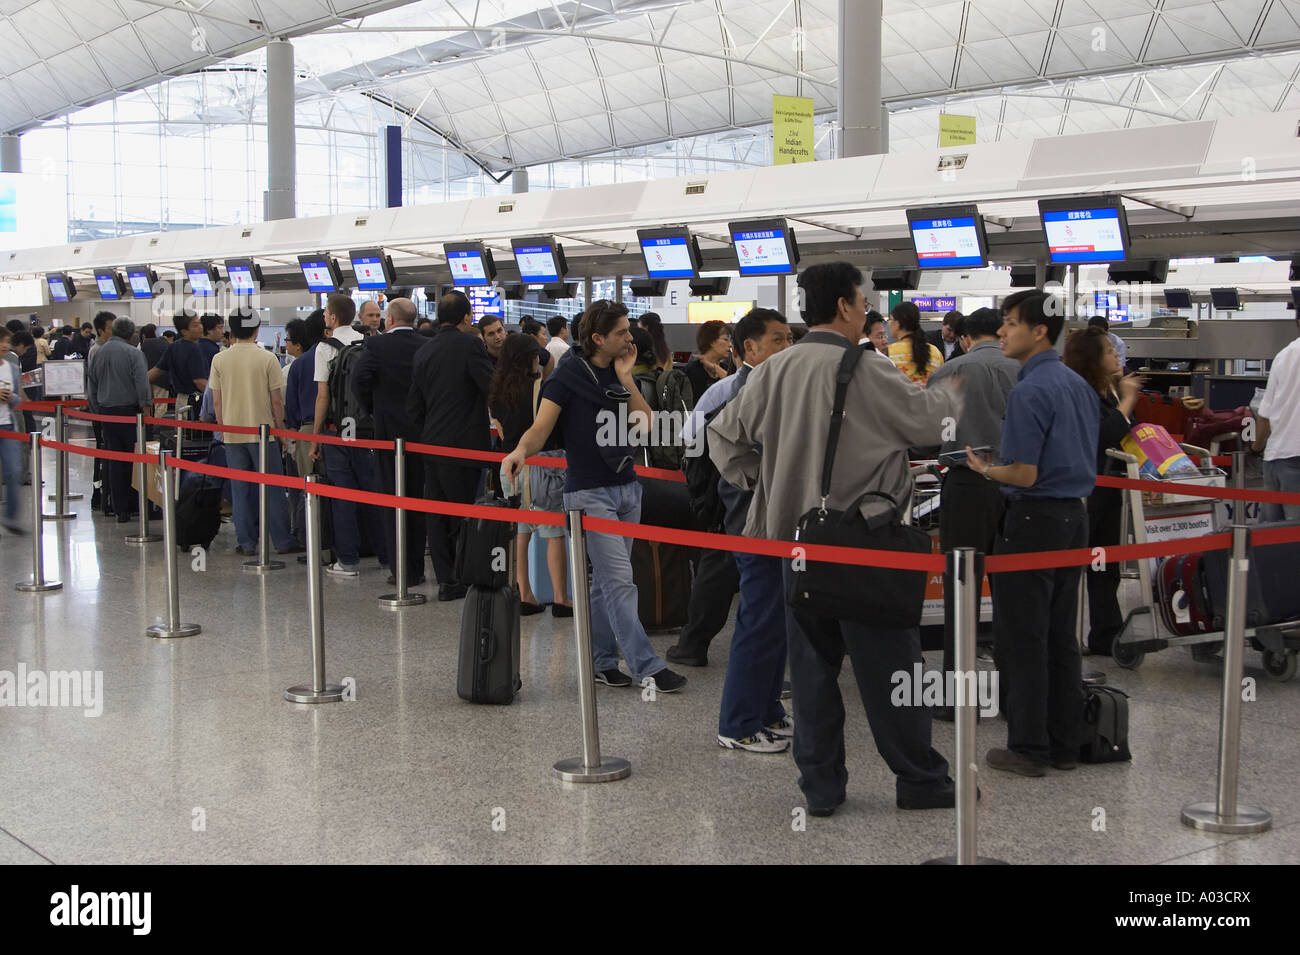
910, 351
653, 324
1091, 354
512, 400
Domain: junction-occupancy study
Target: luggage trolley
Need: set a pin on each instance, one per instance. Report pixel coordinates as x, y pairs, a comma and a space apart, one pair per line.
922, 510
1186, 516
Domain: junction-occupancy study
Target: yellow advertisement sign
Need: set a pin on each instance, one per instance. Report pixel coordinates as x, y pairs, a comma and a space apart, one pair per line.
956, 130
697, 313
792, 130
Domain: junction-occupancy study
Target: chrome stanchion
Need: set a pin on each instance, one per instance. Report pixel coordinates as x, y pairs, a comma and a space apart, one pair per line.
262, 565
590, 767
38, 584
173, 627
402, 598
60, 495
963, 572
142, 497
1225, 814
180, 449
319, 691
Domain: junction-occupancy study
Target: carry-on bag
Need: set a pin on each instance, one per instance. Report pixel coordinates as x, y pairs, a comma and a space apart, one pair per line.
662, 574
485, 547
1105, 725
1272, 594
1179, 582
198, 513
488, 668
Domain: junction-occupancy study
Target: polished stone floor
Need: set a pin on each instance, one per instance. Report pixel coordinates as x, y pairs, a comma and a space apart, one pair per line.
197, 758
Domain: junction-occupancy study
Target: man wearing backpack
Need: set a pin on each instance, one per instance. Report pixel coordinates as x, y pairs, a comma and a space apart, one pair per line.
339, 411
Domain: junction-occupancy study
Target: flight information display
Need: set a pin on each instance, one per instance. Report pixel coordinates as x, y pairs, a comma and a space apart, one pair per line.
318, 275
141, 286
369, 273
58, 288
668, 258
947, 243
762, 252
536, 264
1084, 235
467, 267
241, 279
107, 286
200, 280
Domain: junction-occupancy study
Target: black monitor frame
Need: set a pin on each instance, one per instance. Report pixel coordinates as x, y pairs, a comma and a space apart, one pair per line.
118, 283
766, 225
671, 232
385, 263
331, 264
489, 265
203, 265
254, 270
962, 211
557, 256
149, 273
1078, 203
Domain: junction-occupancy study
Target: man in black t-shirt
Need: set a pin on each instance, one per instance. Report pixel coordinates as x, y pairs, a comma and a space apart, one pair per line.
595, 400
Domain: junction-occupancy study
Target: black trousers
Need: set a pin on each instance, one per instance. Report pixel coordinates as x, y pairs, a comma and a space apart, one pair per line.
1035, 641
970, 513
901, 733
415, 523
447, 482
717, 581
1105, 619
119, 437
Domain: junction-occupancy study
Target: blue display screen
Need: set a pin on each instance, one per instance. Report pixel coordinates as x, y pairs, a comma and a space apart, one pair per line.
58, 289
1084, 235
200, 282
536, 264
467, 268
947, 243
139, 280
107, 287
318, 276
668, 258
369, 273
763, 252
241, 279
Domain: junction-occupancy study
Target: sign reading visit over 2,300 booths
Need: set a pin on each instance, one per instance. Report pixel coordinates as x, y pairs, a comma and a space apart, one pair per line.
792, 130
956, 130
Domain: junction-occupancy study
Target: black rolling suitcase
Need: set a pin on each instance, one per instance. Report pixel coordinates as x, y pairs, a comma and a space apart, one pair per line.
488, 669
1271, 592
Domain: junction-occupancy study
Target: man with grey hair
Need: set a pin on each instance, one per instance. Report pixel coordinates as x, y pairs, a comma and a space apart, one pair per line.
382, 381
117, 383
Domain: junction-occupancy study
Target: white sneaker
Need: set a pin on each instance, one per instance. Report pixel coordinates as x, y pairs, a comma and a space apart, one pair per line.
339, 570
760, 742
783, 728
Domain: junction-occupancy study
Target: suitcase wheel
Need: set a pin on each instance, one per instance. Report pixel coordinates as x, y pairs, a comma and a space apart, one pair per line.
1126, 658
1280, 666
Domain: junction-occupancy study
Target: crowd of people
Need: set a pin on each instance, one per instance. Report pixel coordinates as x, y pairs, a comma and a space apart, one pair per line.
1032, 426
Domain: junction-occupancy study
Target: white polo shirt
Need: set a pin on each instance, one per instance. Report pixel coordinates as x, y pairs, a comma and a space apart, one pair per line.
1281, 405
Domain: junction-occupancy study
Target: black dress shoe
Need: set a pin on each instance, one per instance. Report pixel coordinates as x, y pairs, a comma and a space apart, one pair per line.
293, 549
527, 610
124, 518
673, 655
1065, 763
824, 811
1010, 761
452, 591
561, 610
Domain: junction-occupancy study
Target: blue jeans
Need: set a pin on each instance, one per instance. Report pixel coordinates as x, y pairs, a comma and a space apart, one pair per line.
11, 464
614, 622
243, 497
751, 697
354, 468
1281, 475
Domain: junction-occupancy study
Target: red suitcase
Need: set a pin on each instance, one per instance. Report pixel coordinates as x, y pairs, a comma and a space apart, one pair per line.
1180, 595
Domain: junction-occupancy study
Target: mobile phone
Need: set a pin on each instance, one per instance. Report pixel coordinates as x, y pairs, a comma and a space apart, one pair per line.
958, 458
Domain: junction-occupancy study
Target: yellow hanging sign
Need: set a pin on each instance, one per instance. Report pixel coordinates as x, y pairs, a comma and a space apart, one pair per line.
792, 130
956, 130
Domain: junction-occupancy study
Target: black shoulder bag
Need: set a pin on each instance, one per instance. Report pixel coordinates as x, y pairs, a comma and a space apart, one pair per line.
879, 596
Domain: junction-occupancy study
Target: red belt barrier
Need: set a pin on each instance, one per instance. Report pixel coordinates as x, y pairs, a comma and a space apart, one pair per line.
1116, 553
129, 456
36, 407
14, 436
492, 457
235, 474
107, 418
1200, 490
200, 426
1264, 536
333, 439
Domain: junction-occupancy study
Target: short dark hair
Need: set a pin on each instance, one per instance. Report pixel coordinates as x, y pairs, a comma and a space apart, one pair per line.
556, 324
709, 333
148, 331
453, 307
530, 326
953, 319
1037, 308
873, 317
600, 319
182, 320
38, 331
16, 325
344, 309
87, 327
752, 326
244, 322
103, 320
169, 334
487, 321
1099, 321
5, 334
68, 330
23, 340
211, 321
823, 286
982, 323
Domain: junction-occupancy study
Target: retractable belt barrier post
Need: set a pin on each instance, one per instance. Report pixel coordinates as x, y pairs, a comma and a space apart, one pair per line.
319, 691
262, 565
142, 470
180, 451
60, 497
402, 598
1224, 814
173, 627
962, 571
590, 767
38, 584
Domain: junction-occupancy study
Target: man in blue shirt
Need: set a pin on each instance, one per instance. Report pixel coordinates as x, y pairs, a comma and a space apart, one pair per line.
1049, 439
182, 369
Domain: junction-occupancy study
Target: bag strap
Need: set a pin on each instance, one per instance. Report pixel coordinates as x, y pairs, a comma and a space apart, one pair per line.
843, 375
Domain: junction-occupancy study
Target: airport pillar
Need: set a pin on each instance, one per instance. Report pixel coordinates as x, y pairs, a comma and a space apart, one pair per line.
11, 155
519, 181
863, 118
280, 130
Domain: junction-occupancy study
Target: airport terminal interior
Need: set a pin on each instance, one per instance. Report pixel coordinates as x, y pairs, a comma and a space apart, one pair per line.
685, 160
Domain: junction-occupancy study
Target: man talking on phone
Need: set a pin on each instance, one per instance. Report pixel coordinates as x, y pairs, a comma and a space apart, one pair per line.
970, 508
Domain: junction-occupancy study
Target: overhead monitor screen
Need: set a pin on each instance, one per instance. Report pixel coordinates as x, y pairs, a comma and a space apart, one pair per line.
369, 272
467, 267
107, 284
536, 264
141, 286
1086, 232
668, 257
318, 275
241, 279
764, 247
200, 279
58, 288
947, 243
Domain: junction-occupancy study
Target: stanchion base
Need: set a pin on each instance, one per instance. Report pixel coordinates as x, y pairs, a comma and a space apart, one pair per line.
332, 693
952, 860
1094, 678
258, 567
31, 587
143, 538
610, 769
161, 630
1205, 816
59, 517
396, 601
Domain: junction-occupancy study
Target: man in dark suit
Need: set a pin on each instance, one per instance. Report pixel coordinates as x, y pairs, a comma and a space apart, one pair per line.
448, 404
948, 337
382, 382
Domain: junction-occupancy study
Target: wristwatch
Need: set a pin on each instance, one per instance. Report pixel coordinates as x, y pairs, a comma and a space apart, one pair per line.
986, 471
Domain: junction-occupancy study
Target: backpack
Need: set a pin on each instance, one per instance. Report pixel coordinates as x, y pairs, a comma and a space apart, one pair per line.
673, 395
702, 478
344, 403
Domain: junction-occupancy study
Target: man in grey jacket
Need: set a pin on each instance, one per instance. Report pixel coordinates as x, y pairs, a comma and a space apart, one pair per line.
772, 438
117, 383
